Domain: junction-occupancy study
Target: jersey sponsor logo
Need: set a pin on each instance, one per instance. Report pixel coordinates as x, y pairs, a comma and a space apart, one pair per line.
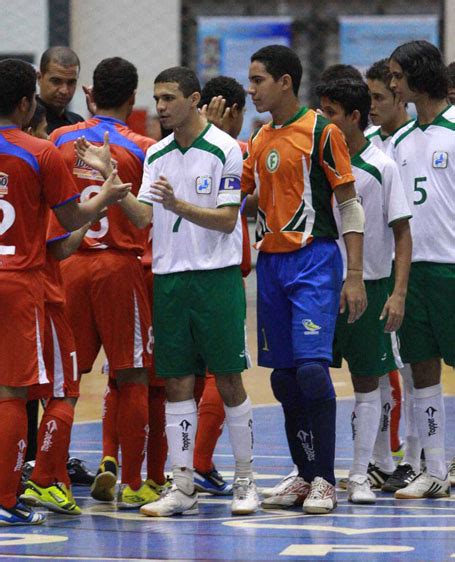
227, 184
272, 162
4, 179
440, 159
204, 185
81, 170
311, 329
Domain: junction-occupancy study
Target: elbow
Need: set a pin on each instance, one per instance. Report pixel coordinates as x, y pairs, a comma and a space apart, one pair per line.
141, 222
229, 227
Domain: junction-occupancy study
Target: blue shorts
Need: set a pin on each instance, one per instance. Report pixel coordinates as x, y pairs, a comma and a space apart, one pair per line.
298, 301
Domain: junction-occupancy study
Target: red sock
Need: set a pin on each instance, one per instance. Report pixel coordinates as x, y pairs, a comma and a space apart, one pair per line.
132, 428
395, 414
13, 446
110, 408
157, 442
210, 425
54, 437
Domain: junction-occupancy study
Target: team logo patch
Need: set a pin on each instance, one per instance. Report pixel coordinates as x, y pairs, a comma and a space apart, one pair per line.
81, 170
272, 161
204, 185
4, 178
311, 329
440, 159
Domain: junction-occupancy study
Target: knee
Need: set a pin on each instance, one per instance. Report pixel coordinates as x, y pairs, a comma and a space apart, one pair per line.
314, 381
284, 386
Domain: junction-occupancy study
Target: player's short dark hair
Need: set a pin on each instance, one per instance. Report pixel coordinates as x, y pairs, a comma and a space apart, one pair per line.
38, 116
340, 72
114, 81
380, 70
451, 74
186, 79
279, 60
423, 67
64, 56
231, 90
17, 80
351, 95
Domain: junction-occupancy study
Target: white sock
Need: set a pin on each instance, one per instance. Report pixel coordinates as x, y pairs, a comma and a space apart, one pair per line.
365, 422
239, 420
382, 455
430, 414
181, 423
412, 446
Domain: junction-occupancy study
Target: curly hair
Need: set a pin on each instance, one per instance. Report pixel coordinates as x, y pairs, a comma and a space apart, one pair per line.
17, 80
380, 70
231, 90
423, 67
114, 81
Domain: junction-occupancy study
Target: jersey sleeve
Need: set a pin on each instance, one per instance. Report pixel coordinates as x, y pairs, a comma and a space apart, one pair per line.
58, 184
229, 188
55, 231
395, 202
248, 184
334, 157
145, 193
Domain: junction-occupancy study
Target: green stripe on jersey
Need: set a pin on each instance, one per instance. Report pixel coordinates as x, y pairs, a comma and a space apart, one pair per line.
359, 162
168, 148
406, 133
207, 146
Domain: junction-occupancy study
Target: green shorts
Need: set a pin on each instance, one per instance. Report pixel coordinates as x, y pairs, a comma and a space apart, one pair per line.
428, 328
199, 322
364, 344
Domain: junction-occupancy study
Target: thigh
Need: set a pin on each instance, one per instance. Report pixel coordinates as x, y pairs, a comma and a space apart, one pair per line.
153, 379
274, 315
121, 310
22, 318
77, 274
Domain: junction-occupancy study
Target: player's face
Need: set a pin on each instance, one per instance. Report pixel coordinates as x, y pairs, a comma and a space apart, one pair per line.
399, 83
58, 84
172, 106
384, 104
336, 114
265, 92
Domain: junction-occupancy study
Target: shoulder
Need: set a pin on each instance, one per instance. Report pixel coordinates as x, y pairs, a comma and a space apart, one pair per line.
62, 133
403, 133
373, 131
161, 148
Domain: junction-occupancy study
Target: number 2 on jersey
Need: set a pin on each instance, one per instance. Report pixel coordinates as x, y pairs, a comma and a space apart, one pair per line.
7, 218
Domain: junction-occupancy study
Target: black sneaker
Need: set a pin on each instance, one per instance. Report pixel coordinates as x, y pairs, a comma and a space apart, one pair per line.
401, 477
212, 483
376, 476
79, 473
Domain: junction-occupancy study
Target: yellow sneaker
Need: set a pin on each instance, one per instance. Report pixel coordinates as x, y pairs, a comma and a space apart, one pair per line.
103, 488
159, 488
133, 499
55, 498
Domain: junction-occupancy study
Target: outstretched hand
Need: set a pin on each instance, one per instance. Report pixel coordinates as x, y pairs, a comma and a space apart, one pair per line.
216, 111
163, 193
114, 190
97, 157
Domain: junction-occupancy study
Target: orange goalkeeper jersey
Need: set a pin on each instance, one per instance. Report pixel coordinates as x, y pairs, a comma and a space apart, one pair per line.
295, 168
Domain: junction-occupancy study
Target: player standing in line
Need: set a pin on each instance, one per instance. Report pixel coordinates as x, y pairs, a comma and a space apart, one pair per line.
191, 187
297, 162
424, 151
34, 178
223, 102
367, 344
106, 270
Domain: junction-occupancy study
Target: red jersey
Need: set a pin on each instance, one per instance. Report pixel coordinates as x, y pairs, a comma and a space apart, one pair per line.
33, 177
54, 291
128, 149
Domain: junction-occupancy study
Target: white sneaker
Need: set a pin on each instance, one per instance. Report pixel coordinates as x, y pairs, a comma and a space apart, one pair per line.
452, 472
288, 493
172, 502
246, 498
425, 486
282, 484
322, 497
359, 491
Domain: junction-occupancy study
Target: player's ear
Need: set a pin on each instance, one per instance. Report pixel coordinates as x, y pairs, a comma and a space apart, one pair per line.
234, 110
286, 80
195, 99
132, 99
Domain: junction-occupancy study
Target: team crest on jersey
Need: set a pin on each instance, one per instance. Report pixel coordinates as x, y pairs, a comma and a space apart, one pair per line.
4, 178
440, 159
81, 170
272, 161
204, 185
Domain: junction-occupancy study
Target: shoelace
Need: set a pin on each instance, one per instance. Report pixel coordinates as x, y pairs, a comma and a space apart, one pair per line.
317, 491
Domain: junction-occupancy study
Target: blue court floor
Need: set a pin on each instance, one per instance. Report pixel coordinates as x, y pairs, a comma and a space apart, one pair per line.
390, 530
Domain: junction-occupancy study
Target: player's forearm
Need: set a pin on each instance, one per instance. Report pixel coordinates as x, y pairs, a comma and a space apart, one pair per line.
403, 255
140, 214
222, 219
354, 252
64, 248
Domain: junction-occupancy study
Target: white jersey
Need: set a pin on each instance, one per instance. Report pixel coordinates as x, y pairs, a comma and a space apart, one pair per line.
381, 193
206, 174
425, 156
379, 139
